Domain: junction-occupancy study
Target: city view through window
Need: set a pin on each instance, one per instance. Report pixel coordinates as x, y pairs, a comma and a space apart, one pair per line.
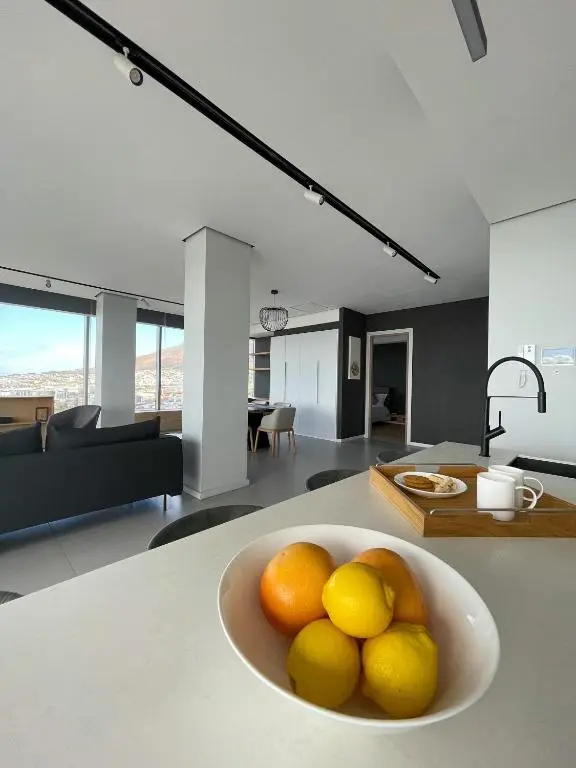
42, 353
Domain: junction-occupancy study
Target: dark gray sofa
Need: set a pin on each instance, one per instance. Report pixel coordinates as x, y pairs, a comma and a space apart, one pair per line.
46, 486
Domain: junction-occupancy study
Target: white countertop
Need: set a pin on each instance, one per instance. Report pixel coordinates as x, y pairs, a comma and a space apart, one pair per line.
127, 666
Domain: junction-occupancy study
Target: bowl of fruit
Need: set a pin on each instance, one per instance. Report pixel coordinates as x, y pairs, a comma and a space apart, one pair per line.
358, 626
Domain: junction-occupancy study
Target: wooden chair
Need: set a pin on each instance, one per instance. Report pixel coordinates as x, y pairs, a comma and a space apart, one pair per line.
281, 420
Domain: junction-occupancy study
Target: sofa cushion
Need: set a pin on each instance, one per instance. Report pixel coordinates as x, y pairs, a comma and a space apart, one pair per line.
67, 439
24, 440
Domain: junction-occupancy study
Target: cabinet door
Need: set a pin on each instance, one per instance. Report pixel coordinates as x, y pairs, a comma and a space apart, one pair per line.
278, 369
308, 394
292, 374
327, 383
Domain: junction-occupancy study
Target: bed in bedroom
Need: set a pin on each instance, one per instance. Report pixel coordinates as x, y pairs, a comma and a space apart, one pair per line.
380, 413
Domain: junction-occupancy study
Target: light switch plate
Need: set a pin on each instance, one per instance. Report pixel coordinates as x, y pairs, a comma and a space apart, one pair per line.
530, 352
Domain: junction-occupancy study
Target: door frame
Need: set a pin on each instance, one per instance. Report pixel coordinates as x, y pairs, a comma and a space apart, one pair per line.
370, 336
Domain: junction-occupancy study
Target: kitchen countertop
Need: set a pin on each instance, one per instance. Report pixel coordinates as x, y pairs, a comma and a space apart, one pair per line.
128, 666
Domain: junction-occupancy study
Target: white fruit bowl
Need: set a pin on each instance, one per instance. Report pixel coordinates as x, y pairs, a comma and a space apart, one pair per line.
461, 624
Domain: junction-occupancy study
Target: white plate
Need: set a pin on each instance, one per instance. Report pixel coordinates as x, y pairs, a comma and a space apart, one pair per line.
461, 624
460, 486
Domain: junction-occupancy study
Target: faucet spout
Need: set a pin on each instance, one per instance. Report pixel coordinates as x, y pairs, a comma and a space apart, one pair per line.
490, 433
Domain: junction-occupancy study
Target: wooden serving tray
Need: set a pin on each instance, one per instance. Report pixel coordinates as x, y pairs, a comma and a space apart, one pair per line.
457, 516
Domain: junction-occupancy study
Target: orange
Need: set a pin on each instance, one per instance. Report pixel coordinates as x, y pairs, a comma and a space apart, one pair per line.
409, 604
291, 586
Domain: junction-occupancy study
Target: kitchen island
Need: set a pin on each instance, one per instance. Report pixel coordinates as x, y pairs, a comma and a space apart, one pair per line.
127, 666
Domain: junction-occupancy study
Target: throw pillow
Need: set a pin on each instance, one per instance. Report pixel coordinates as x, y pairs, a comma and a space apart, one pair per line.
67, 439
19, 441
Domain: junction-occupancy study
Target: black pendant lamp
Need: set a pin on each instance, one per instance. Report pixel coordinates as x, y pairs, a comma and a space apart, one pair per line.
274, 318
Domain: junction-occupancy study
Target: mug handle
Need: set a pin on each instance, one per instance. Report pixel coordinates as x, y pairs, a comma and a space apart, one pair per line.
531, 491
535, 480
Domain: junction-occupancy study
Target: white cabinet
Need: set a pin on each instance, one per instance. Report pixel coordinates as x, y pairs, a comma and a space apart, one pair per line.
304, 372
278, 369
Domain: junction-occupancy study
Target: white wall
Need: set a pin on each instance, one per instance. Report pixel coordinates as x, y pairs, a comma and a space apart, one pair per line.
533, 301
115, 358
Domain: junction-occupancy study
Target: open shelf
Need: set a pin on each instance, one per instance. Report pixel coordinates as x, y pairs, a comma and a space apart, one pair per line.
259, 353
258, 369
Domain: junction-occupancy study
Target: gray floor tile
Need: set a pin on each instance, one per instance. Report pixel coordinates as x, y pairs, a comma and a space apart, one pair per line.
31, 560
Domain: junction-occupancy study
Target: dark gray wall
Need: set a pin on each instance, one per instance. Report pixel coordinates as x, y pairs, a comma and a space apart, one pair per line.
351, 393
448, 367
389, 370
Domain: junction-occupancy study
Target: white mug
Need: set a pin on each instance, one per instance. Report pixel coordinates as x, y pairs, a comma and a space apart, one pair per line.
497, 492
520, 479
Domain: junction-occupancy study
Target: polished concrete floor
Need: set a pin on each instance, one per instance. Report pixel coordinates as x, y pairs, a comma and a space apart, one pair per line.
45, 555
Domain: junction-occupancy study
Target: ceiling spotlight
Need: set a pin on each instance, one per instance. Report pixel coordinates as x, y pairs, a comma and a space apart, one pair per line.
48, 283
123, 63
388, 250
430, 278
472, 27
313, 197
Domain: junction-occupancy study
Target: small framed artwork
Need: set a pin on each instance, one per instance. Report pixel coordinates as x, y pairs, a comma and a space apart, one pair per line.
42, 413
558, 356
354, 351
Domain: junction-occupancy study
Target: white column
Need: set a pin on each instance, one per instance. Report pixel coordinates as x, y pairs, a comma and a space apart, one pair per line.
216, 323
115, 358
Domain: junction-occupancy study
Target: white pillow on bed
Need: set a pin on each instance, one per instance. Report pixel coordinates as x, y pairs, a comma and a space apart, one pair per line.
380, 400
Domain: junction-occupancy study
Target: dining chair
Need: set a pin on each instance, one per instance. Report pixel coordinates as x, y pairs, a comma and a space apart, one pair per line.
198, 521
7, 597
329, 476
281, 420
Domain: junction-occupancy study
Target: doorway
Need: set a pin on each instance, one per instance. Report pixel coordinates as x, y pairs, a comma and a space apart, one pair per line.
389, 386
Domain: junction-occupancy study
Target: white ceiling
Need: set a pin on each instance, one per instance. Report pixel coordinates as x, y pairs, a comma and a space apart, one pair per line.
100, 181
509, 120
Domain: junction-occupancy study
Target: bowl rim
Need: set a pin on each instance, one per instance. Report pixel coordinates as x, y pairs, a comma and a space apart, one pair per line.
367, 722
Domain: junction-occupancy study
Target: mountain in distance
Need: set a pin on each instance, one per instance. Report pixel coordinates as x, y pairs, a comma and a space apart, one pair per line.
171, 358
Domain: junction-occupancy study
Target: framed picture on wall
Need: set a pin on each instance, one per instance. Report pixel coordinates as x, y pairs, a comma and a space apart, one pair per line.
42, 413
354, 351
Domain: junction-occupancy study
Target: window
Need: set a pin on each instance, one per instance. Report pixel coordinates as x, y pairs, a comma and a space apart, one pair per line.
146, 373
172, 374
42, 353
91, 386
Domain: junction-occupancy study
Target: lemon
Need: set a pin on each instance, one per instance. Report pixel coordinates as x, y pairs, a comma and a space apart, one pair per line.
401, 670
358, 601
324, 664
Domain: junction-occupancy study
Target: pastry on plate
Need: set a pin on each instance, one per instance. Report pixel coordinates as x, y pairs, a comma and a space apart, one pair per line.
419, 482
443, 483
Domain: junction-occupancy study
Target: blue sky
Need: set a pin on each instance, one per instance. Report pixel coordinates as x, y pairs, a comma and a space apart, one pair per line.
38, 340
